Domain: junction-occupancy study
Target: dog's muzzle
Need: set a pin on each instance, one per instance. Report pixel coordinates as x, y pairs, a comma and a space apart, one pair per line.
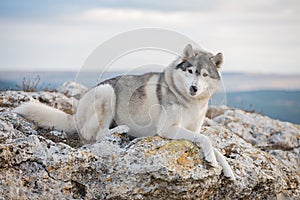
193, 90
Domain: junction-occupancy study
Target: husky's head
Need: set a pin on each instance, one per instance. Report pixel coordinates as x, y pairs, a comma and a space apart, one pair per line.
196, 73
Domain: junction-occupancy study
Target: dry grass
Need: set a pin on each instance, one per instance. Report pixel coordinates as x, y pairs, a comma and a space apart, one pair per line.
30, 86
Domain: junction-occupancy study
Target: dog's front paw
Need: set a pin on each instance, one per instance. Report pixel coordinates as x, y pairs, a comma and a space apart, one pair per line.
210, 157
212, 161
229, 174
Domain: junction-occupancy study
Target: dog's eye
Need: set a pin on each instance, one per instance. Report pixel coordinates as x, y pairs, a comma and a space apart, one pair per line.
190, 71
204, 74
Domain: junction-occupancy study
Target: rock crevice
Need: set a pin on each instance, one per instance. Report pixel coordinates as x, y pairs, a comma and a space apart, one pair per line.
38, 163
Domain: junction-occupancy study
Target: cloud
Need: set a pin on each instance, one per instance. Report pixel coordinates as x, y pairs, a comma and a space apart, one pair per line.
253, 35
109, 15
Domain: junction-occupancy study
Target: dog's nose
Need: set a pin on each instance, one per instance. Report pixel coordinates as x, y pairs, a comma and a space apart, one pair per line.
193, 89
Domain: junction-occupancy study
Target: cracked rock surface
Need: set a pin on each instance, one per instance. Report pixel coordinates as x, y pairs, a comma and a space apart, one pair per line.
281, 139
48, 164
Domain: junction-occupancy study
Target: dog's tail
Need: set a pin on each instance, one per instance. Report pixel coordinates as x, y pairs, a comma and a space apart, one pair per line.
46, 117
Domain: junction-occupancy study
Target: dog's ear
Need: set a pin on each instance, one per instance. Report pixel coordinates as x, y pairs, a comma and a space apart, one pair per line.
188, 51
218, 60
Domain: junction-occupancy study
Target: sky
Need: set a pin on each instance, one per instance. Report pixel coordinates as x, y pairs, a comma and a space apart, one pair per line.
254, 36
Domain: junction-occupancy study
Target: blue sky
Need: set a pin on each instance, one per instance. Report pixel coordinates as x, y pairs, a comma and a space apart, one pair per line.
254, 36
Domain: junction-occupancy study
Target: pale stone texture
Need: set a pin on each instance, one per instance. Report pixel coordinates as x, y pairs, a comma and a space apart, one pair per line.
46, 164
281, 139
73, 89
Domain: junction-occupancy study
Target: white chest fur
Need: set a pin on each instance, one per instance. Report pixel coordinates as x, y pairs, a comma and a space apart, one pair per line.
193, 116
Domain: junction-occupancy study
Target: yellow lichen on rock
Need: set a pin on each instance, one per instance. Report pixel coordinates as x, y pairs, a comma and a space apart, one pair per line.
184, 160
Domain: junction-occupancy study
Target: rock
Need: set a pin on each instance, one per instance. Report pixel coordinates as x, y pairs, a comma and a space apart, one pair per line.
214, 111
281, 139
38, 163
11, 99
73, 89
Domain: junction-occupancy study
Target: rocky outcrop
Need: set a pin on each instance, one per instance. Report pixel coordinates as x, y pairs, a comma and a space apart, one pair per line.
39, 164
281, 139
72, 89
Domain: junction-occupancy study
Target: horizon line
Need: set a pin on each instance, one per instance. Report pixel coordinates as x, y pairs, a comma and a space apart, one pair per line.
248, 72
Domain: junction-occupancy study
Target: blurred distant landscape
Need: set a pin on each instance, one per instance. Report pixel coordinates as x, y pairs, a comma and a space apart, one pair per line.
277, 96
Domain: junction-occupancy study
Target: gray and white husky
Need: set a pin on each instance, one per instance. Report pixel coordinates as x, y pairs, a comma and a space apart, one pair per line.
171, 104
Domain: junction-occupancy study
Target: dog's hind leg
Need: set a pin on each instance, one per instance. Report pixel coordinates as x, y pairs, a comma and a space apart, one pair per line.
105, 112
96, 112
